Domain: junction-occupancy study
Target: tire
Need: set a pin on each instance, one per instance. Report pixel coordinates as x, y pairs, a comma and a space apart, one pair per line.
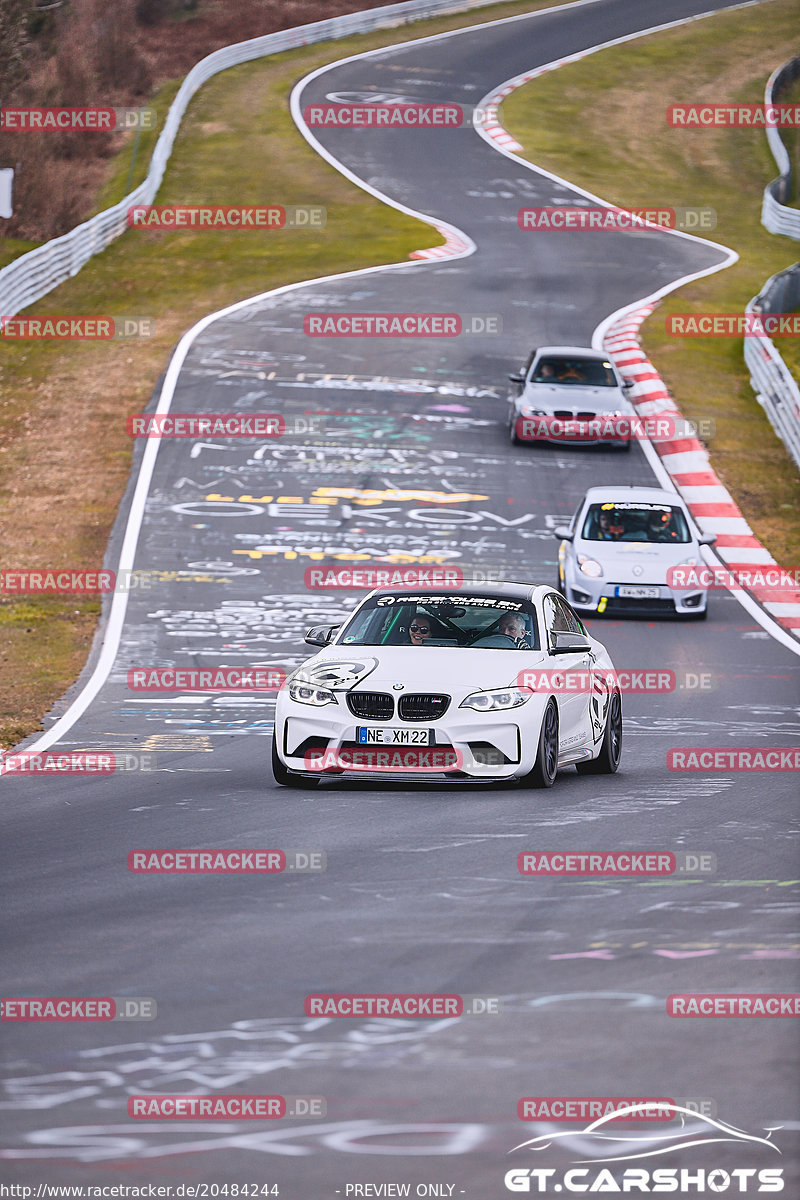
512, 432
544, 771
284, 776
560, 587
607, 760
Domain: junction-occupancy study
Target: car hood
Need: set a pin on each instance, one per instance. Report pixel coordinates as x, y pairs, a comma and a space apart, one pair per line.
584, 399
623, 560
432, 669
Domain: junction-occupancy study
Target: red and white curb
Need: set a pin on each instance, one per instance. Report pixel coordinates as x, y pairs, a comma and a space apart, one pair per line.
687, 463
454, 245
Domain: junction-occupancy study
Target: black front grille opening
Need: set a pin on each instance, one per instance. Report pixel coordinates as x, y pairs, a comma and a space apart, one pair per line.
588, 416
564, 414
371, 706
629, 603
311, 745
422, 706
488, 755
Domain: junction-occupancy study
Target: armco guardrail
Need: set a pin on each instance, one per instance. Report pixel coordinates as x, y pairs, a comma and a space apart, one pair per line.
770, 378
775, 215
36, 273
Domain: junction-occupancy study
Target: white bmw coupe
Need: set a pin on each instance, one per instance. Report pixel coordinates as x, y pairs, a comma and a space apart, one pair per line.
491, 682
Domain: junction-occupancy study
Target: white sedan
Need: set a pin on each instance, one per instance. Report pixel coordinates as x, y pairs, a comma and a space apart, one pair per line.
633, 551
492, 682
571, 395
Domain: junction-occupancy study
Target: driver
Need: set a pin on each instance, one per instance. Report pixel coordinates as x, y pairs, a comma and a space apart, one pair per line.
611, 525
513, 626
419, 629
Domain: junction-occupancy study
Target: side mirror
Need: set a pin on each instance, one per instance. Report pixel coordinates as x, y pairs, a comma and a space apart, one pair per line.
707, 539
568, 643
517, 378
627, 384
564, 533
320, 635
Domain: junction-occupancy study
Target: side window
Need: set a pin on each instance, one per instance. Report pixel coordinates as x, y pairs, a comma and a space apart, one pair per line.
571, 622
554, 615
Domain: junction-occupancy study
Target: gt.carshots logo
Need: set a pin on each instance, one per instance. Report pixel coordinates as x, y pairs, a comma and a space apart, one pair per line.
693, 1130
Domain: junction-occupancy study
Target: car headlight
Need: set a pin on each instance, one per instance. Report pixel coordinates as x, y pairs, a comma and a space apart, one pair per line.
497, 699
590, 566
527, 411
308, 693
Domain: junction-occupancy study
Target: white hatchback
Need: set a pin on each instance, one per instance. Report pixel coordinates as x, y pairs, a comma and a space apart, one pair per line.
630, 551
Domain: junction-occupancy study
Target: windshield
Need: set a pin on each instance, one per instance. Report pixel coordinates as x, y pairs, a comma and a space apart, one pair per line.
481, 622
635, 521
580, 372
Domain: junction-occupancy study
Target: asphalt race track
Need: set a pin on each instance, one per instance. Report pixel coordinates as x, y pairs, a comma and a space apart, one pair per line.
421, 891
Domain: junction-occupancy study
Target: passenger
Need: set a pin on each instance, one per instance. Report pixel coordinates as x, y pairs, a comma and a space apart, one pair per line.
419, 629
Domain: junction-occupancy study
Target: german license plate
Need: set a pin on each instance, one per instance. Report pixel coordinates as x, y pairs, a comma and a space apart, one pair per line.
638, 593
387, 735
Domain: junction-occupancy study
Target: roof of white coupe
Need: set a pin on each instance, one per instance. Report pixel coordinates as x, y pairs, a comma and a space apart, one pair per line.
584, 351
503, 590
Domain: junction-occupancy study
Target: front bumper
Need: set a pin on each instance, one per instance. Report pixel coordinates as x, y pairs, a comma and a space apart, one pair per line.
587, 595
323, 743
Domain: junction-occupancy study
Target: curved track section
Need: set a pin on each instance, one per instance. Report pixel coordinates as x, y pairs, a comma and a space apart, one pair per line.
421, 891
